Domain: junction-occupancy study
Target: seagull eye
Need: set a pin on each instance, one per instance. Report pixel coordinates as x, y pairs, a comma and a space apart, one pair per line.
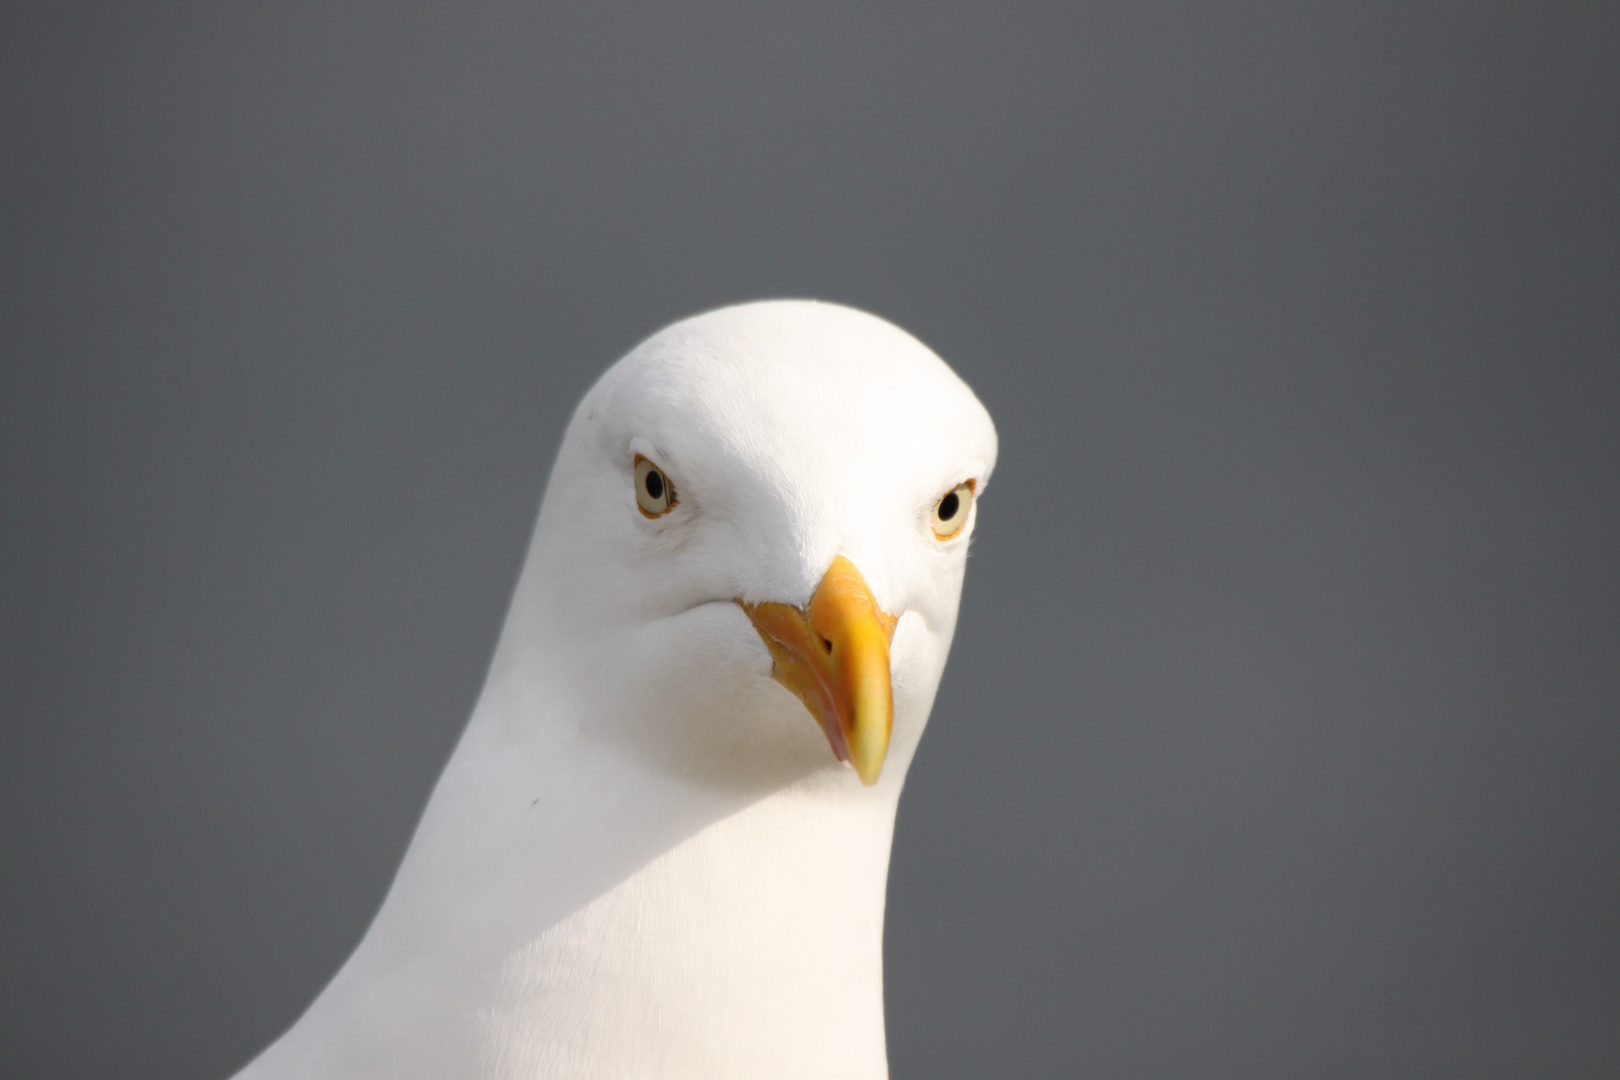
951, 512
655, 495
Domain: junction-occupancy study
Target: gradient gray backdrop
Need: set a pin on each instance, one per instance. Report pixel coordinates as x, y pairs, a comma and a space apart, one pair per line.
1282, 733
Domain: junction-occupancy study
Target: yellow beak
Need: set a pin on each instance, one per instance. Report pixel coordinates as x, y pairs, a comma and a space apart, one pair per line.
834, 656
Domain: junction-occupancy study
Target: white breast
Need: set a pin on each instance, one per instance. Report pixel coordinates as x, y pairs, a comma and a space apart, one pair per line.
754, 949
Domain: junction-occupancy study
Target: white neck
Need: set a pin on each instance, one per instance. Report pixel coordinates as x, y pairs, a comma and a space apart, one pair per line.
571, 909
753, 949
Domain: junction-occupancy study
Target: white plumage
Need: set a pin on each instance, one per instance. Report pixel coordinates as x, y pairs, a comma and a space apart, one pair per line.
643, 860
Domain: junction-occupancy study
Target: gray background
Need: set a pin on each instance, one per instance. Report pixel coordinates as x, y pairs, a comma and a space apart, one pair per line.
1282, 734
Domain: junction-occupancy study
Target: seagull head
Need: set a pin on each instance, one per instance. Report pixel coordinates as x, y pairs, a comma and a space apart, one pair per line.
755, 537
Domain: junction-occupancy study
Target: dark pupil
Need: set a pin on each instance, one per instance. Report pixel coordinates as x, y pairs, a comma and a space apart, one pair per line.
948, 505
655, 484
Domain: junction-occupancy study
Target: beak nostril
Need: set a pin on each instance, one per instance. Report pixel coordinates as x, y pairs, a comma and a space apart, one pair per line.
826, 643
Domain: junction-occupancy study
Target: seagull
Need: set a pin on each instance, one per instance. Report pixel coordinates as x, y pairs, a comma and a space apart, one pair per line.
661, 846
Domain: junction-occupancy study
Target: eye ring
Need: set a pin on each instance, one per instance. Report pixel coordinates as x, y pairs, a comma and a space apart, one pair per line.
950, 513
655, 494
